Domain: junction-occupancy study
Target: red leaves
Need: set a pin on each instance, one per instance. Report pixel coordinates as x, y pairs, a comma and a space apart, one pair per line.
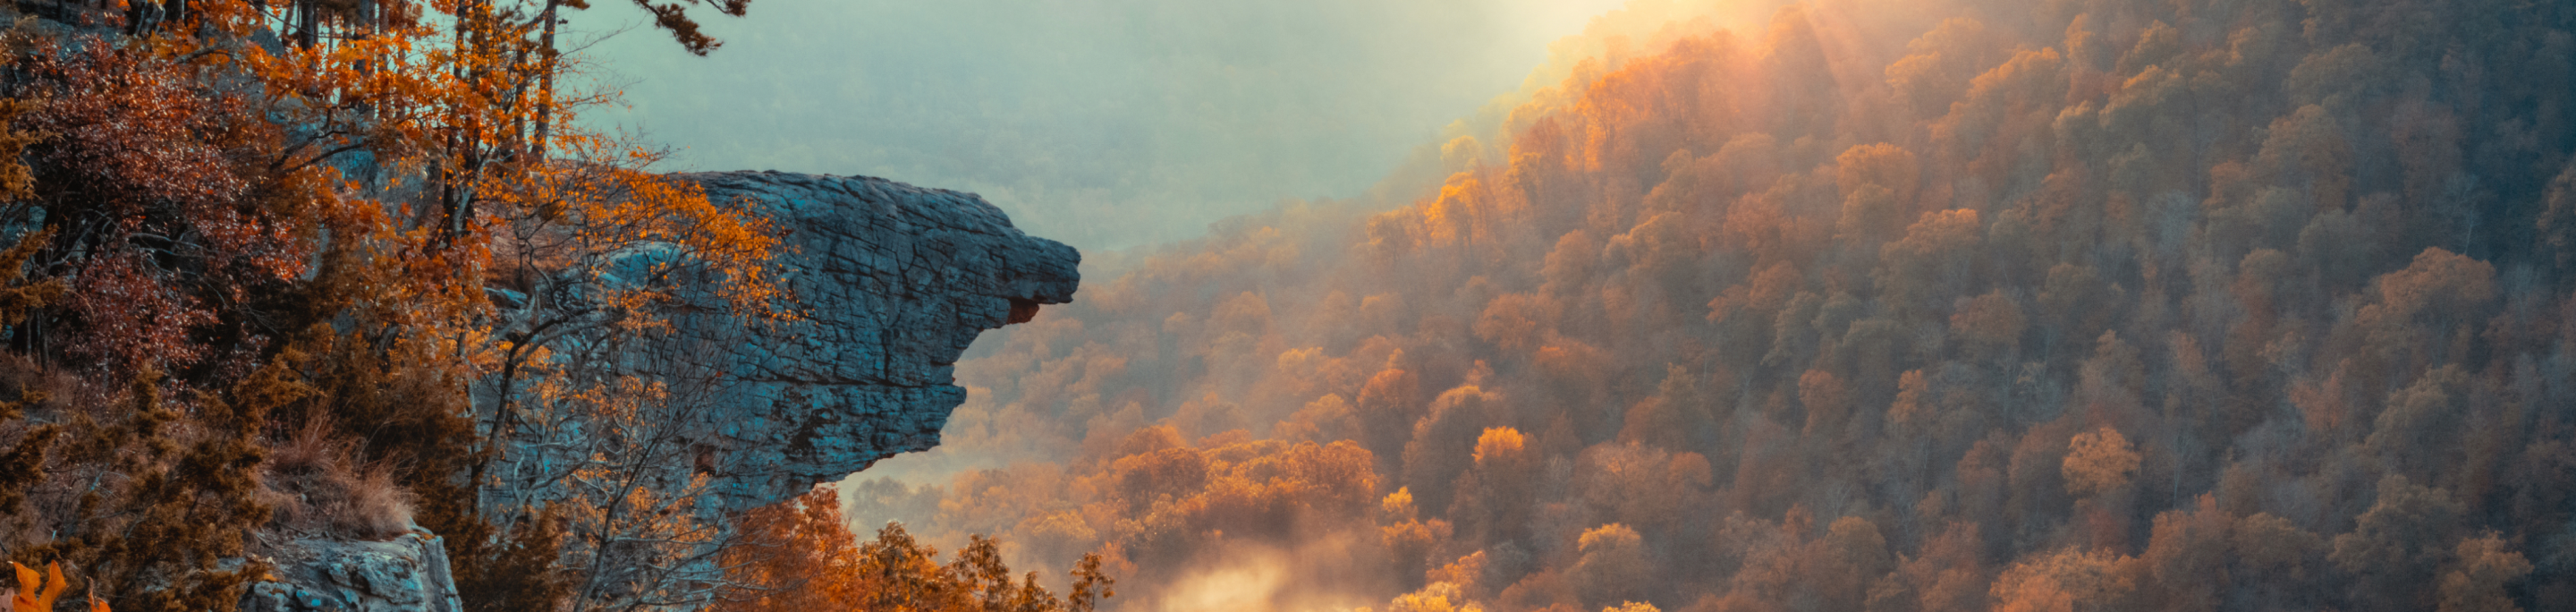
131, 135
144, 173
162, 210
132, 316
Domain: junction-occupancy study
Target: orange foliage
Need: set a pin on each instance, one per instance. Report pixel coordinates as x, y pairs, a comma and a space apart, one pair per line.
800, 555
1981, 314
312, 227
1501, 446
2098, 462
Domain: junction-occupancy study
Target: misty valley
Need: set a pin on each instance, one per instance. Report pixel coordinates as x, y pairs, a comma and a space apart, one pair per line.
1732, 306
1865, 306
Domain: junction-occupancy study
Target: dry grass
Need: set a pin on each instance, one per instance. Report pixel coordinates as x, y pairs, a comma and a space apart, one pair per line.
318, 487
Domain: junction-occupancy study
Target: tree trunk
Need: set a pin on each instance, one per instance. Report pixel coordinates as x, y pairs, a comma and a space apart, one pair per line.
545, 83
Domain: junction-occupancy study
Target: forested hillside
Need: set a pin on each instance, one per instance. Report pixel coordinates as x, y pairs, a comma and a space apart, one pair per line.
303, 300
261, 253
1890, 306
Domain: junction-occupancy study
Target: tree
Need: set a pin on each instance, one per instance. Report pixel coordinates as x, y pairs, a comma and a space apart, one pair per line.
2067, 580
141, 157
2423, 304
793, 555
1938, 65
1828, 402
1878, 183
2477, 581
1445, 440
674, 17
1932, 261
2273, 559
2099, 462
215, 203
1388, 406
1882, 164
2187, 556
1515, 322
1992, 323
2557, 221
2399, 541
1435, 597
2419, 428
800, 555
1499, 487
1613, 566
1856, 555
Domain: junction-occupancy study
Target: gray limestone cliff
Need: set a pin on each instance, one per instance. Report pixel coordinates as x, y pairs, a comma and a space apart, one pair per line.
889, 282
895, 281
892, 282
406, 574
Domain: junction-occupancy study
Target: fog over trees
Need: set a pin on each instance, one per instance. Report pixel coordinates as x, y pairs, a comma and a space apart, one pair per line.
2075, 305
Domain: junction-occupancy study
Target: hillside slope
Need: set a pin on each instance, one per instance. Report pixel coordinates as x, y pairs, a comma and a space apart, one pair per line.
1931, 306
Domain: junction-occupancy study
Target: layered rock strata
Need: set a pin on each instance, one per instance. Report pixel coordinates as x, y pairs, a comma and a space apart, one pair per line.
895, 281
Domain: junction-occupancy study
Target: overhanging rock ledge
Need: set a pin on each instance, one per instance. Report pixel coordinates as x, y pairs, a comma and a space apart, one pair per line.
895, 281
892, 282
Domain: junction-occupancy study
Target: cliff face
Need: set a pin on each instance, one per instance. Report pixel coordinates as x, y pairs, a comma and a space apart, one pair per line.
892, 282
895, 281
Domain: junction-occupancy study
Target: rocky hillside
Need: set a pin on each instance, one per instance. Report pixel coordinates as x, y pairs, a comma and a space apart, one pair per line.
298, 297
894, 281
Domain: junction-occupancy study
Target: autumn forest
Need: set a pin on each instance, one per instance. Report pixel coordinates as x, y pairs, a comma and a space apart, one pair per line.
1736, 305
1856, 305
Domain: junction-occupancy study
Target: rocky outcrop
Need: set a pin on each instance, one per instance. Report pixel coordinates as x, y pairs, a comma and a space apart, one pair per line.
406, 574
895, 281
892, 283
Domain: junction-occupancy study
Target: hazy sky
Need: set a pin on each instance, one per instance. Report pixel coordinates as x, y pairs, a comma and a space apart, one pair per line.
1100, 123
